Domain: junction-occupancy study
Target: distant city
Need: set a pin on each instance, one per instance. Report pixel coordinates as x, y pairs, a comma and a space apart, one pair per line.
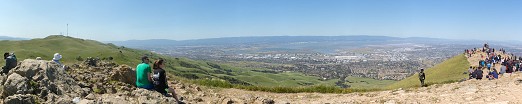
382, 58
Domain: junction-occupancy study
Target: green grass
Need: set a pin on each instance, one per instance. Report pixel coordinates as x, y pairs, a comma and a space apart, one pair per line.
448, 71
70, 48
367, 83
281, 89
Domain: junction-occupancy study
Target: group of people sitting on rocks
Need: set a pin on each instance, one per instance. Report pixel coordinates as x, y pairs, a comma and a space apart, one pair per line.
146, 77
11, 61
155, 79
509, 64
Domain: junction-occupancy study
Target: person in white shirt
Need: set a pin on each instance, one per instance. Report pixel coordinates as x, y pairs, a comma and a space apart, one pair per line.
57, 58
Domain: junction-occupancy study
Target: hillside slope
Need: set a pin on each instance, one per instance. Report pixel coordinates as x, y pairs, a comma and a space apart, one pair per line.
73, 50
451, 70
506, 90
76, 50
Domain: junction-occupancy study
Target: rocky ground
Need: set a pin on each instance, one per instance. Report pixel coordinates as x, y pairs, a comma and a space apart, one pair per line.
96, 81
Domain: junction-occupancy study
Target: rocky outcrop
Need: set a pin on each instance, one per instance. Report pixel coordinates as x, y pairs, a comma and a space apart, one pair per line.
125, 74
91, 82
15, 84
103, 77
21, 99
44, 79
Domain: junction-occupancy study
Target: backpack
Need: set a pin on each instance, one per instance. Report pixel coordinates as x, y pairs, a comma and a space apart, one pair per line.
156, 79
422, 75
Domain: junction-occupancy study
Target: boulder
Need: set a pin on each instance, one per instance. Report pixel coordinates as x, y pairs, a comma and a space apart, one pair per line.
45, 79
268, 101
20, 99
2, 79
15, 84
125, 74
29, 68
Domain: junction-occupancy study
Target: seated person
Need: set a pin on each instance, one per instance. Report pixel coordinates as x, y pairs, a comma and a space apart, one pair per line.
160, 79
143, 74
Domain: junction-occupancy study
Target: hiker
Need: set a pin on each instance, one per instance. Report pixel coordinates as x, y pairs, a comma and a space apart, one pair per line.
10, 62
57, 58
470, 71
482, 63
494, 73
489, 66
143, 74
479, 73
502, 70
422, 77
159, 80
474, 74
509, 66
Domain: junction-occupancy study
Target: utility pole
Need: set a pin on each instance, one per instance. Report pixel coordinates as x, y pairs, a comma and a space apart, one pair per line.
67, 29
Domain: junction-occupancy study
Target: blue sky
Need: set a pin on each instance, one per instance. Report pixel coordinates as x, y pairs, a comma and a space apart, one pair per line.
110, 20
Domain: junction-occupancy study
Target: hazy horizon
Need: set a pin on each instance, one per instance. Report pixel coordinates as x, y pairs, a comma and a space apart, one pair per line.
120, 20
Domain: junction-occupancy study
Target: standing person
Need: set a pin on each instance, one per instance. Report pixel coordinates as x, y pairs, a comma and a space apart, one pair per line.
422, 77
10, 62
159, 79
143, 74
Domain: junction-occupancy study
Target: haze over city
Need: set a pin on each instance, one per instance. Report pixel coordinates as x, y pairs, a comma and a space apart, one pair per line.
118, 20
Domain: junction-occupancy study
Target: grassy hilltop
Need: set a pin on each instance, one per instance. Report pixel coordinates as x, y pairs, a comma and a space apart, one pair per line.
72, 50
448, 71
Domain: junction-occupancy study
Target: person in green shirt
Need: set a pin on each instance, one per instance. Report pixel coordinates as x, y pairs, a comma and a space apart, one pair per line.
143, 74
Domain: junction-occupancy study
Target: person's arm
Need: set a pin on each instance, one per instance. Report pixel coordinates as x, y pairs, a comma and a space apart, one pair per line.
149, 74
149, 77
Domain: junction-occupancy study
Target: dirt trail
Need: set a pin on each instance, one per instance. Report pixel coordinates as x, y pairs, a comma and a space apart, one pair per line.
505, 90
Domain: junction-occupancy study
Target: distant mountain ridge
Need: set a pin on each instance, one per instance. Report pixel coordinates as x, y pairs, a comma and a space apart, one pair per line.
267, 40
12, 38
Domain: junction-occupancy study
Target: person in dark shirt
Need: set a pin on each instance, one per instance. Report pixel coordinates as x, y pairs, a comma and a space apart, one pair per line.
10, 62
479, 74
422, 77
159, 80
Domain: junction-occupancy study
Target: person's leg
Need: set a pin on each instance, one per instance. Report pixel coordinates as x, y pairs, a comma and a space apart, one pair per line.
148, 87
173, 92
